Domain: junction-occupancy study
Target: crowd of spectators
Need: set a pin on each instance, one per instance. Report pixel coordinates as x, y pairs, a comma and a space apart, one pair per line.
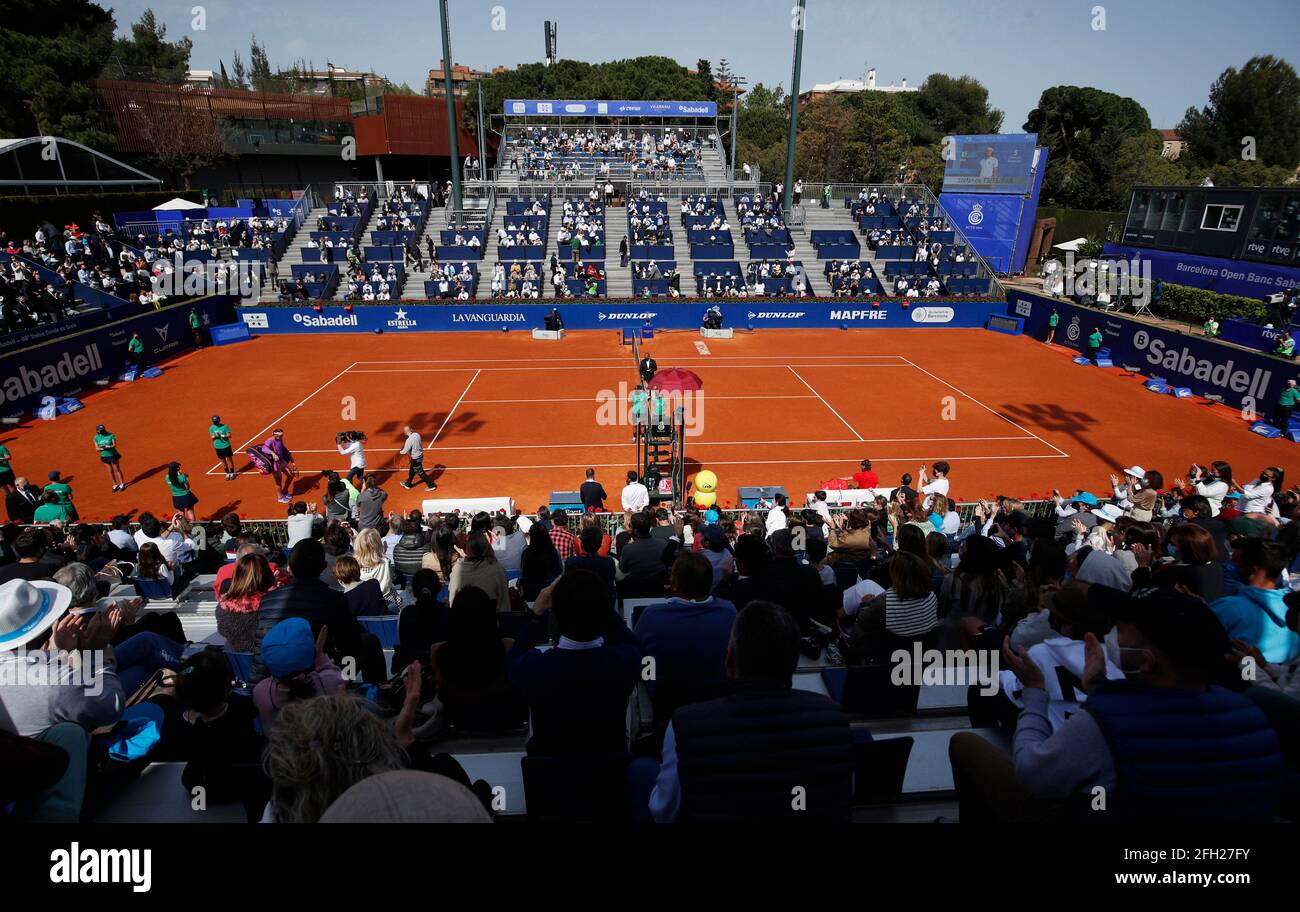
1129, 624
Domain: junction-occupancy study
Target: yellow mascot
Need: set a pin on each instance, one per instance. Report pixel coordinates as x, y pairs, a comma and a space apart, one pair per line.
706, 489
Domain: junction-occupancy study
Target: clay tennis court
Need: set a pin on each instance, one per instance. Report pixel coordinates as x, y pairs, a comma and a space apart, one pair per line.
502, 414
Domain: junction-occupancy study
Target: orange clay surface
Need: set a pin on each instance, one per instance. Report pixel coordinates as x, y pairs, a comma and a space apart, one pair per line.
501, 414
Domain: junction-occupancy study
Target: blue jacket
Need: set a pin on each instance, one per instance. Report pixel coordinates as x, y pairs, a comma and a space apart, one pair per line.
577, 698
1210, 757
1258, 616
688, 642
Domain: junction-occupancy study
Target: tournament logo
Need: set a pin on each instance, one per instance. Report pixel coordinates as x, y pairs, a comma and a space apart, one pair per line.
976, 214
256, 321
933, 314
1074, 330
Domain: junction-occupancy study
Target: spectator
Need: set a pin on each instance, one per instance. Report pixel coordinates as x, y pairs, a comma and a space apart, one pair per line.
297, 666
773, 740
365, 598
370, 503
794, 586
480, 568
422, 623
1133, 737
409, 552
238, 606
307, 597
588, 556
22, 501
644, 561
687, 638
443, 554
540, 563
469, 668
306, 780
1257, 613
578, 691
368, 549
302, 524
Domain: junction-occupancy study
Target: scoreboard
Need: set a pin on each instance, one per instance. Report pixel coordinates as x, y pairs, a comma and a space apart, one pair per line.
1231, 223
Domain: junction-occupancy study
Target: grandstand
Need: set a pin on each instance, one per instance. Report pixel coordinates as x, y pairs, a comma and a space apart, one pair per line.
920, 484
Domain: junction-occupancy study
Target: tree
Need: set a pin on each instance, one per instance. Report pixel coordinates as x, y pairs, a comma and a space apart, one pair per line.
1261, 100
240, 78
1137, 161
183, 135
826, 149
149, 51
224, 78
48, 51
955, 106
259, 68
1082, 127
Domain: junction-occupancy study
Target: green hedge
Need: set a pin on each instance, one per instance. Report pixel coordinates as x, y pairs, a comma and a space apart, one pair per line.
1196, 305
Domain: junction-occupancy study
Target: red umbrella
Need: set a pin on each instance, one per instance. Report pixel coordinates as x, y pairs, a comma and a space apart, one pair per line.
676, 379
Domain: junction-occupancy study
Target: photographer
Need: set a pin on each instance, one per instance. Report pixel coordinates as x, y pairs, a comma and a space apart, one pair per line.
352, 445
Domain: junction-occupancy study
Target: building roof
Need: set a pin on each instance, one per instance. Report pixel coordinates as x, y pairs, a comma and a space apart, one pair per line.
25, 163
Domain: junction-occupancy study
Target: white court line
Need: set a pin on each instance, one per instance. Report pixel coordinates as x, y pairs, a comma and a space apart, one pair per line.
742, 462
258, 435
827, 404
709, 443
590, 367
626, 399
453, 409
624, 360
986, 408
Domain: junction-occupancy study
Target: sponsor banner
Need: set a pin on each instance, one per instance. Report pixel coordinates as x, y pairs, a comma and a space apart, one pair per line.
508, 315
68, 365
516, 107
230, 333
1234, 277
34, 335
1244, 379
1251, 335
991, 224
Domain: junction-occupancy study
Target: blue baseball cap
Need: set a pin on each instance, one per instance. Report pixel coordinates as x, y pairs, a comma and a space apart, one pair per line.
711, 515
1084, 497
289, 648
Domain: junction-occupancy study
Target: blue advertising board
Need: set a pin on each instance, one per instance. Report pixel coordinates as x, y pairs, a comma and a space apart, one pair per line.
229, 333
66, 365
516, 107
1250, 335
509, 315
997, 163
1244, 379
990, 222
1233, 277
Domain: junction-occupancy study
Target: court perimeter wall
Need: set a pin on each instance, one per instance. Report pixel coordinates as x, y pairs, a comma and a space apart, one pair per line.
1244, 379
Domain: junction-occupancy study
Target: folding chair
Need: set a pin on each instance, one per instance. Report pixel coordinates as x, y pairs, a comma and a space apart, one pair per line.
879, 768
867, 691
608, 788
383, 626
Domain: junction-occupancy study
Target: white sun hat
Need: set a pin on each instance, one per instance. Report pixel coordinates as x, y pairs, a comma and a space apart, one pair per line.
28, 609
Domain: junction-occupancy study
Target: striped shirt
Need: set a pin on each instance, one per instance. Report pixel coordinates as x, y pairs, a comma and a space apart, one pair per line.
910, 617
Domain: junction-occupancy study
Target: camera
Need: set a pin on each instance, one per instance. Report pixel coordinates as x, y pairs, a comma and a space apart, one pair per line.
349, 437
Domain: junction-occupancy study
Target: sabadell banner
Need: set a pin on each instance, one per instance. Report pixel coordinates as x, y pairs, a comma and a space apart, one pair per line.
1203, 365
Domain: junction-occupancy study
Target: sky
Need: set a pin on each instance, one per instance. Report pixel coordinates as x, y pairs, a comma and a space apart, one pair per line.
1164, 53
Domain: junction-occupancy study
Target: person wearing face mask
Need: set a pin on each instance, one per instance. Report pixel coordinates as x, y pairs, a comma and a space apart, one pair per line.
1166, 721
1257, 496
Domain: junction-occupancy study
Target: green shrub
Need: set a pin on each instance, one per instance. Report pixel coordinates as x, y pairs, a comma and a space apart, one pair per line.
1196, 305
